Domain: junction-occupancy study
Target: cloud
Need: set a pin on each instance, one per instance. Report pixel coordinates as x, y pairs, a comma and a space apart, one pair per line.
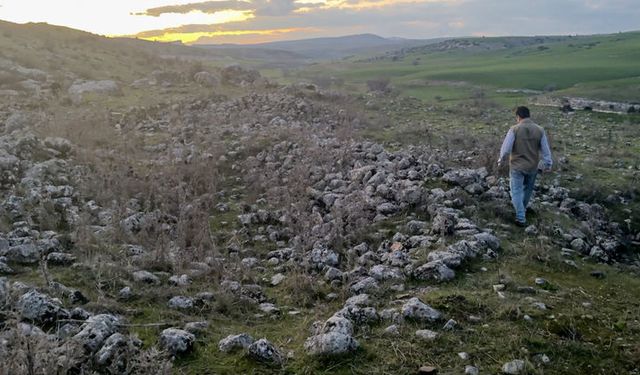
414, 18
259, 7
202, 36
205, 7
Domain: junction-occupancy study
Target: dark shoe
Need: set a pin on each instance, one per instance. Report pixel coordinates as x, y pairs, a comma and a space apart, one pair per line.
520, 224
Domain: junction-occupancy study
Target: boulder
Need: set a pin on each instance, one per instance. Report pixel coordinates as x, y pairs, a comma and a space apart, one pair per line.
81, 88
116, 352
96, 330
366, 285
426, 334
332, 343
181, 303
321, 256
514, 367
40, 308
61, 259
206, 79
176, 341
146, 277
235, 342
416, 310
465, 177
27, 253
264, 351
444, 221
436, 271
338, 324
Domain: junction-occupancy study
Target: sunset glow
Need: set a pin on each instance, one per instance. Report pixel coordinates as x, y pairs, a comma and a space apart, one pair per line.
193, 37
197, 21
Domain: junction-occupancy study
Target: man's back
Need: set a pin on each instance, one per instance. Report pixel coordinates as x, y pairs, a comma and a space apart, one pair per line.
525, 153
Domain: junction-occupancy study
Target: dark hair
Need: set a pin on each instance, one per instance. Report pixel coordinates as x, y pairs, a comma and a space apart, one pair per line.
523, 112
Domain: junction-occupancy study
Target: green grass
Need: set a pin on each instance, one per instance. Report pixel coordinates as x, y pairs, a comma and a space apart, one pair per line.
602, 67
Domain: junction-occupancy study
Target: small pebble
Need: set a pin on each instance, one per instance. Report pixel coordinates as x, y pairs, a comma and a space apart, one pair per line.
498, 287
450, 325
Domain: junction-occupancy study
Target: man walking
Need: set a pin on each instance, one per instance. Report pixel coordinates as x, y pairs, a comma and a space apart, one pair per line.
524, 143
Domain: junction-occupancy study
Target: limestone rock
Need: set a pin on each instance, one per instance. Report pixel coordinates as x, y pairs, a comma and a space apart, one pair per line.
176, 341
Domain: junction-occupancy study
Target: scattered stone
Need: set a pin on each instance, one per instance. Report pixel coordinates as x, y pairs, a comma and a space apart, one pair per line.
498, 287
264, 351
392, 330
79, 88
182, 280
40, 308
471, 370
332, 343
414, 309
436, 271
269, 308
125, 293
146, 277
181, 303
450, 325
235, 342
61, 259
115, 351
359, 300
23, 254
366, 285
539, 305
540, 281
514, 367
5, 269
426, 334
542, 359
96, 330
197, 328
277, 279
176, 341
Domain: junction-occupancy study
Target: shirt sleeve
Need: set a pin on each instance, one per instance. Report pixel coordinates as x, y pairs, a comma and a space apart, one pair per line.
546, 151
507, 145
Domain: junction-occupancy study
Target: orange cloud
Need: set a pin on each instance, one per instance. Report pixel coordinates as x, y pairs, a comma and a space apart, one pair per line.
362, 4
189, 38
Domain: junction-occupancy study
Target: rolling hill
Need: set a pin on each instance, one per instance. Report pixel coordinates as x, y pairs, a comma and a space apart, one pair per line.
599, 66
330, 48
67, 53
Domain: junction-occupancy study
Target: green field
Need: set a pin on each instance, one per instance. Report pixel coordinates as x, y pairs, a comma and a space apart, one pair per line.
601, 67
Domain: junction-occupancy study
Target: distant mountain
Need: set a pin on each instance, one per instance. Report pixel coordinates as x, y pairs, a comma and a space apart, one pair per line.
331, 48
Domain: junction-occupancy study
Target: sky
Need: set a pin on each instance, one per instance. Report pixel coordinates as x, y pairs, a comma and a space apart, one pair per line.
256, 21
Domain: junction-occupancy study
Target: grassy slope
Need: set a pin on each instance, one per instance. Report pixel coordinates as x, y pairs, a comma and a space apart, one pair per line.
603, 66
67, 54
62, 50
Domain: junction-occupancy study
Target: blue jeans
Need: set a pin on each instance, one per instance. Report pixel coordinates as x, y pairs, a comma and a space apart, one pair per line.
522, 184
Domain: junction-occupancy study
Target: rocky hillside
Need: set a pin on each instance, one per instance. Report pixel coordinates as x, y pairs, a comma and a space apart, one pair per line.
244, 226
204, 226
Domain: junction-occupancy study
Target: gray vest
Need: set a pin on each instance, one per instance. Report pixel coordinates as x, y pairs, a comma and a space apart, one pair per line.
525, 154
